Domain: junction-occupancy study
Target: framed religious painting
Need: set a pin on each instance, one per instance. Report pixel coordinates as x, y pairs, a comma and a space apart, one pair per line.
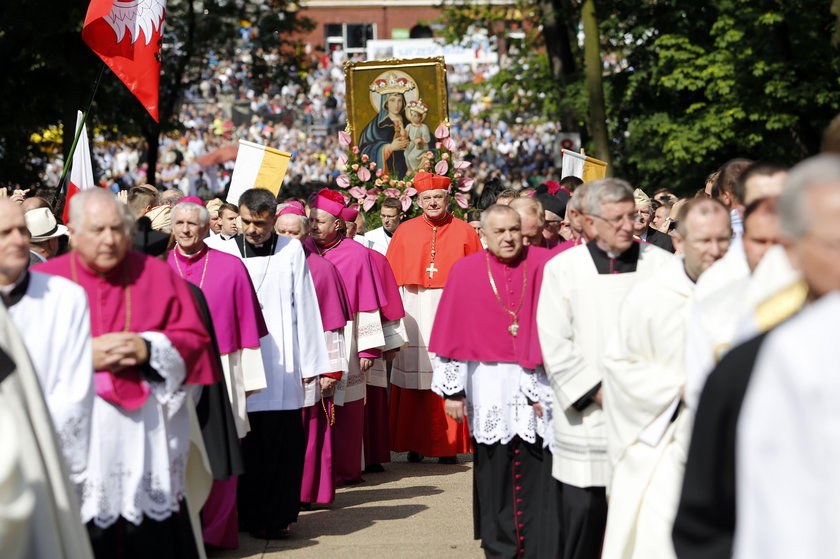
393, 109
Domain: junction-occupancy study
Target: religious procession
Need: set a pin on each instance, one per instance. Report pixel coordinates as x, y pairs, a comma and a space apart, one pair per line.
562, 284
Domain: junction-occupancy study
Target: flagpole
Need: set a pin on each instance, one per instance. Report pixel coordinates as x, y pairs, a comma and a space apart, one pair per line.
58, 201
69, 160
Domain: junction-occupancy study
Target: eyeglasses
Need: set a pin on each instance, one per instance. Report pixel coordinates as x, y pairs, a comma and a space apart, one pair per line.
617, 221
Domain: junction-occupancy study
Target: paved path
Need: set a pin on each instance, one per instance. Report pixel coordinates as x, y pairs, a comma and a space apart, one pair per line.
411, 510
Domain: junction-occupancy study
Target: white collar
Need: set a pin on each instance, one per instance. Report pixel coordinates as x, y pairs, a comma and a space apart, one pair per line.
6, 289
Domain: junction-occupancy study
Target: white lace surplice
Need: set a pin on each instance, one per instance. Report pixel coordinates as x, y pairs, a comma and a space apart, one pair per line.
498, 395
138, 458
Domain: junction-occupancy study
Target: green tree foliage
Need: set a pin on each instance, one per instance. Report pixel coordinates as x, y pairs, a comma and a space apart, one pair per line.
525, 89
39, 47
49, 71
711, 81
690, 85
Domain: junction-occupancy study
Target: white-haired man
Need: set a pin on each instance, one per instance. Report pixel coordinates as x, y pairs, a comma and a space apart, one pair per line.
146, 329
532, 215
648, 425
577, 315
239, 325
421, 254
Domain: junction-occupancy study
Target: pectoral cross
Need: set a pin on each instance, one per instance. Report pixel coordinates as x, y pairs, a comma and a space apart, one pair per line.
431, 269
513, 328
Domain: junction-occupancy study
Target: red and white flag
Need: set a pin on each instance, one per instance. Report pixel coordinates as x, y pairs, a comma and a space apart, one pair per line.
81, 170
126, 35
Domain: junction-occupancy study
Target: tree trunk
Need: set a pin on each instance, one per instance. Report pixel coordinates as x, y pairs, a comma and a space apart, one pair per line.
152, 135
835, 9
558, 46
594, 84
557, 40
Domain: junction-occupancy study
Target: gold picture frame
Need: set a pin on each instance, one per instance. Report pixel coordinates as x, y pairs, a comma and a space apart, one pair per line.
374, 122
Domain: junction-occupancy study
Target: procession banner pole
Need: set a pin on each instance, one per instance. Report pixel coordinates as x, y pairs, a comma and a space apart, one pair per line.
62, 182
58, 202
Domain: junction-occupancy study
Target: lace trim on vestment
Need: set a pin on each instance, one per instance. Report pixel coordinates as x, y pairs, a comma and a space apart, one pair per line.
497, 408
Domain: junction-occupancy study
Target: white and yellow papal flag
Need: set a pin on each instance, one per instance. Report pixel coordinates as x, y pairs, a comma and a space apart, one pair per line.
257, 167
582, 166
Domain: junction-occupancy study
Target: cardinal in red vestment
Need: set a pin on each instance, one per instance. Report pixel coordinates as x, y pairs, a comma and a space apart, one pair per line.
421, 253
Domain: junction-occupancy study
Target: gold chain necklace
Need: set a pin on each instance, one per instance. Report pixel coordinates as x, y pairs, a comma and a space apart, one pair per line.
203, 272
126, 289
322, 252
514, 327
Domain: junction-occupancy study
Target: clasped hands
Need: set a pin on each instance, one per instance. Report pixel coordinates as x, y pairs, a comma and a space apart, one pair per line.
118, 350
324, 381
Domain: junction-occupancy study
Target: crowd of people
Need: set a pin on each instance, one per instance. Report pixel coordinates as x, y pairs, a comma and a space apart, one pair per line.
635, 375
227, 103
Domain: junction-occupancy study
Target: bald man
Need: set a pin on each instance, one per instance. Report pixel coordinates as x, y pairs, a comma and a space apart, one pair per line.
532, 214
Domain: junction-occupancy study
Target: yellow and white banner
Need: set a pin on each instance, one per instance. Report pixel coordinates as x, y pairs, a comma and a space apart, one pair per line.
582, 166
257, 167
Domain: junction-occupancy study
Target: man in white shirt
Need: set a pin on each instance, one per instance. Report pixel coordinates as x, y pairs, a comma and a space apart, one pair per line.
391, 214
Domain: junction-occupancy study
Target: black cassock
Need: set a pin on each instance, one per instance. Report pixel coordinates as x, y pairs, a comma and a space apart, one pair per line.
704, 527
515, 510
215, 416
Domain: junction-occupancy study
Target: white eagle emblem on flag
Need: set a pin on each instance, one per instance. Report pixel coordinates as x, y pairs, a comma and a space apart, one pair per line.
134, 16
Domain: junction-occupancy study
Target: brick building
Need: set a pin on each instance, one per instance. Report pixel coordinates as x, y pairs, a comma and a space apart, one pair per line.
348, 24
